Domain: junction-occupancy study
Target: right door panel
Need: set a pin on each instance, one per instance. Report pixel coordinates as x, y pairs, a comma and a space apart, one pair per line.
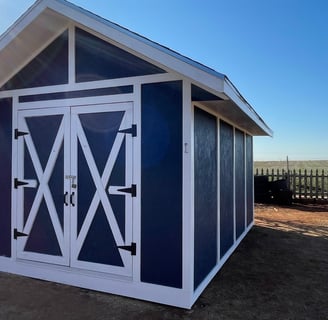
101, 178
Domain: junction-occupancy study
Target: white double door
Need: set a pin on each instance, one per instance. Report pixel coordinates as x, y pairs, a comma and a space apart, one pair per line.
74, 187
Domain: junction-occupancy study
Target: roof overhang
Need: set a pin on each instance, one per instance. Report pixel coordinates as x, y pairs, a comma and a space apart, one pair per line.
46, 19
247, 118
29, 35
230, 111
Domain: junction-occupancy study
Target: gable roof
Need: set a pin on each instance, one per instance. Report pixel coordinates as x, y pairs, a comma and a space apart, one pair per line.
45, 19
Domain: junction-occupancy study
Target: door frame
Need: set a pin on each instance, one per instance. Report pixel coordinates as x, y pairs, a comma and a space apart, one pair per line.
135, 99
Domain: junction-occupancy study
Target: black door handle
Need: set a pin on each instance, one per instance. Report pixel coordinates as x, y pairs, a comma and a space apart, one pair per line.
65, 199
71, 199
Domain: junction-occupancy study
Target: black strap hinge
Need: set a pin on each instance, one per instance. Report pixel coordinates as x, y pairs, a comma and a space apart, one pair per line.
18, 183
19, 234
132, 130
132, 248
19, 133
132, 190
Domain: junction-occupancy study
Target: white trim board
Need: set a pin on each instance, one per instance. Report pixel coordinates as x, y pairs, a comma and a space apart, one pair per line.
99, 282
62, 14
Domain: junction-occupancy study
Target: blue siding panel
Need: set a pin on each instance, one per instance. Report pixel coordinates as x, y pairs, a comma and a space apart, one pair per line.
29, 173
42, 237
77, 94
5, 176
97, 59
85, 194
101, 130
240, 182
226, 187
56, 185
50, 67
199, 94
99, 245
206, 206
49, 126
161, 184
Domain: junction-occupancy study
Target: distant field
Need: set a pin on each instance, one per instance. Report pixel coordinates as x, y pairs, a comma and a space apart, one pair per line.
297, 165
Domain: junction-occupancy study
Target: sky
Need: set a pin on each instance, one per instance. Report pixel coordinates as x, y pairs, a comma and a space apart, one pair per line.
274, 51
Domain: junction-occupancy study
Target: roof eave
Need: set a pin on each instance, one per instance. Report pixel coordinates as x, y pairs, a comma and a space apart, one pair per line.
232, 92
163, 56
63, 12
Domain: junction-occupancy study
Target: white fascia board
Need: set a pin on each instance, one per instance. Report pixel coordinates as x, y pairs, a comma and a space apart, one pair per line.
159, 54
27, 37
197, 73
165, 57
231, 91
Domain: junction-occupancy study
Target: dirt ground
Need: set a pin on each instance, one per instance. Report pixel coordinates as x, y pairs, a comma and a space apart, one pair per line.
280, 271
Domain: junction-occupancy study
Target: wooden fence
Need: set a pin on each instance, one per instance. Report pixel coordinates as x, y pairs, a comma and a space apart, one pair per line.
306, 184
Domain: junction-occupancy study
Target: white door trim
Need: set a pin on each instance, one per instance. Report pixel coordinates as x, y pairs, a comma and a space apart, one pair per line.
70, 134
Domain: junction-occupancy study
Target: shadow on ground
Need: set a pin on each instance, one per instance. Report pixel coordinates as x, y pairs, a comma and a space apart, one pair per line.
274, 274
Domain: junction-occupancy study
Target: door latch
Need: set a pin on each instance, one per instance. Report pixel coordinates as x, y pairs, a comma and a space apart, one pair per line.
72, 178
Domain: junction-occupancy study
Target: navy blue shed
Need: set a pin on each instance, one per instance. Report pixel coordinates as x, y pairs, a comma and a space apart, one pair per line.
124, 166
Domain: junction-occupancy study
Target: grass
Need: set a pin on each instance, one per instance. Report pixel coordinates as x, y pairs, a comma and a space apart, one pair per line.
308, 179
293, 165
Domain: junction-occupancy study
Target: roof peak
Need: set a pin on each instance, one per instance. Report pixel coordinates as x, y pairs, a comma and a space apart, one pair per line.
45, 19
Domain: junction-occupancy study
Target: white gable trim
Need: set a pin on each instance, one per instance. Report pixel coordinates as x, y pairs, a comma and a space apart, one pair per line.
132, 41
63, 14
139, 44
13, 31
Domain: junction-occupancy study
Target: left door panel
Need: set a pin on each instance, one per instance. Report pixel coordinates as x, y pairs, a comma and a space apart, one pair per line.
43, 157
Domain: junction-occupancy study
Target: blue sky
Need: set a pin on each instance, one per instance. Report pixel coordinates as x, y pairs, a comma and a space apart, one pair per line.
274, 51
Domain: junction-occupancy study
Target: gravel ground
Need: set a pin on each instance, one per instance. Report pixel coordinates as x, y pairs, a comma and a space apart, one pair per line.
280, 271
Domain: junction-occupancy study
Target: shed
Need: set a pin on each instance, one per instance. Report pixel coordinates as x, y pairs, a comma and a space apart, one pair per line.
125, 167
